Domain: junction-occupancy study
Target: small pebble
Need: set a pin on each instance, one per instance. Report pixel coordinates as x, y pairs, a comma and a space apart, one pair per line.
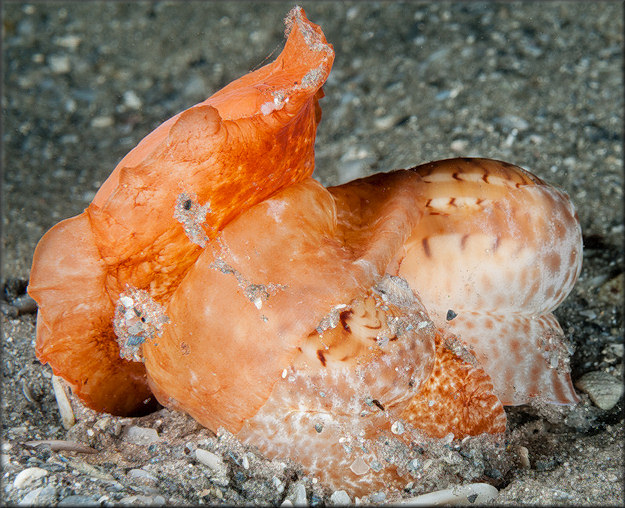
450, 315
42, 496
141, 474
77, 500
140, 435
59, 64
24, 304
414, 464
100, 122
340, 497
27, 476
359, 466
386, 122
68, 41
300, 495
524, 457
377, 497
126, 301
132, 100
397, 428
590, 314
617, 349
459, 145
209, 459
278, 485
603, 389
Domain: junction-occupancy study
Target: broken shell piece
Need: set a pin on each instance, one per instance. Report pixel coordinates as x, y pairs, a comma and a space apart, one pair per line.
472, 493
28, 476
65, 407
140, 435
209, 459
61, 445
359, 466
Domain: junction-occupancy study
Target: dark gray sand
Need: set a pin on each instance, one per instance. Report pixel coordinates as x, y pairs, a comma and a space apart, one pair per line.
535, 84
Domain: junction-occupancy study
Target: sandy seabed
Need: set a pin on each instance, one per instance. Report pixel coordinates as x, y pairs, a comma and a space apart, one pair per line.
538, 86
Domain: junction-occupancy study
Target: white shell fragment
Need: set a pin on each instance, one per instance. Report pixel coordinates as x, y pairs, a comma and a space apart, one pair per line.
27, 476
140, 435
397, 428
61, 445
470, 494
340, 497
65, 408
299, 498
603, 389
209, 459
359, 466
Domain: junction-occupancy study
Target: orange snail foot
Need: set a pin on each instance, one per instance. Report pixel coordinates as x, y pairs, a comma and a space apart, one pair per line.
163, 202
339, 349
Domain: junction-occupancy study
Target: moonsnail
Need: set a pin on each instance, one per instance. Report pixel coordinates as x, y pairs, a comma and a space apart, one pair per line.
212, 274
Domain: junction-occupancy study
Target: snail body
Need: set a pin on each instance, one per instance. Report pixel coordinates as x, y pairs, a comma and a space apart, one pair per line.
311, 322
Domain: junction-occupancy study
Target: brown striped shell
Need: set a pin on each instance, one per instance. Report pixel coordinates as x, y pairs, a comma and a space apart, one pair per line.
510, 247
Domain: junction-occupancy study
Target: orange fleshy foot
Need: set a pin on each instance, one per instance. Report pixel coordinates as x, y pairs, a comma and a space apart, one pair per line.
164, 201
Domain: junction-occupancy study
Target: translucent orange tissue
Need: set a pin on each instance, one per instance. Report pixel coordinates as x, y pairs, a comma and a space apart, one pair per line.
164, 201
